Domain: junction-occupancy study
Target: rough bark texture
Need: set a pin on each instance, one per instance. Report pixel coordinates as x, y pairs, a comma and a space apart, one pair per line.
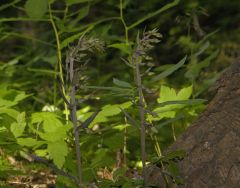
212, 142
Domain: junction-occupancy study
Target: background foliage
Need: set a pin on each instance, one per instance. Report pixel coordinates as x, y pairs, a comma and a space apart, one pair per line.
198, 40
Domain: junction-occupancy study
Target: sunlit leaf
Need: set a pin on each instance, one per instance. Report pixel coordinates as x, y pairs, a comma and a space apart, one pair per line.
7, 103
49, 119
110, 110
59, 134
58, 151
9, 111
29, 142
170, 101
18, 127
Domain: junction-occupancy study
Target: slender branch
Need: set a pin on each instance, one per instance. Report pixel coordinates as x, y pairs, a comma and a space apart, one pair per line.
23, 19
59, 55
123, 21
142, 115
74, 121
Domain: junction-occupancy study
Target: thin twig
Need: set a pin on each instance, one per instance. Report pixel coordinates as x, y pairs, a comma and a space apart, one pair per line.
74, 121
53, 167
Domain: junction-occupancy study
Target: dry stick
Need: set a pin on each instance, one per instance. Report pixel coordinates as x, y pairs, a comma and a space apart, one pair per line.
74, 121
142, 115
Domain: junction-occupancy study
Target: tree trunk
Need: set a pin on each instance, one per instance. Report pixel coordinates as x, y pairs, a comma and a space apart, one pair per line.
212, 142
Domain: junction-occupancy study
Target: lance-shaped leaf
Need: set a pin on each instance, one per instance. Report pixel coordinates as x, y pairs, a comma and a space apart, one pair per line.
186, 102
169, 71
89, 120
121, 83
131, 120
117, 89
170, 121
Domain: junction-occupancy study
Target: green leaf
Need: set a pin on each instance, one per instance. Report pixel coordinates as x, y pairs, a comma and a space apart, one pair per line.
170, 70
175, 173
102, 158
202, 48
18, 127
89, 120
7, 103
170, 121
178, 154
20, 96
185, 93
72, 38
170, 101
126, 48
10, 112
121, 83
50, 121
115, 141
125, 91
195, 68
89, 174
129, 117
169, 94
83, 12
175, 155
166, 94
152, 14
36, 8
58, 151
111, 110
173, 169
59, 134
187, 102
29, 142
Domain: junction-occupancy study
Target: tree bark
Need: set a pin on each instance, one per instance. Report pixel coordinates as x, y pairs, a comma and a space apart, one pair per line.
212, 142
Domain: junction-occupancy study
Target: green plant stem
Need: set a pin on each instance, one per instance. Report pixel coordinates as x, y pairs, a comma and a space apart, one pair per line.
157, 147
137, 60
173, 133
23, 19
19, 35
125, 143
126, 41
159, 153
138, 80
59, 65
123, 22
